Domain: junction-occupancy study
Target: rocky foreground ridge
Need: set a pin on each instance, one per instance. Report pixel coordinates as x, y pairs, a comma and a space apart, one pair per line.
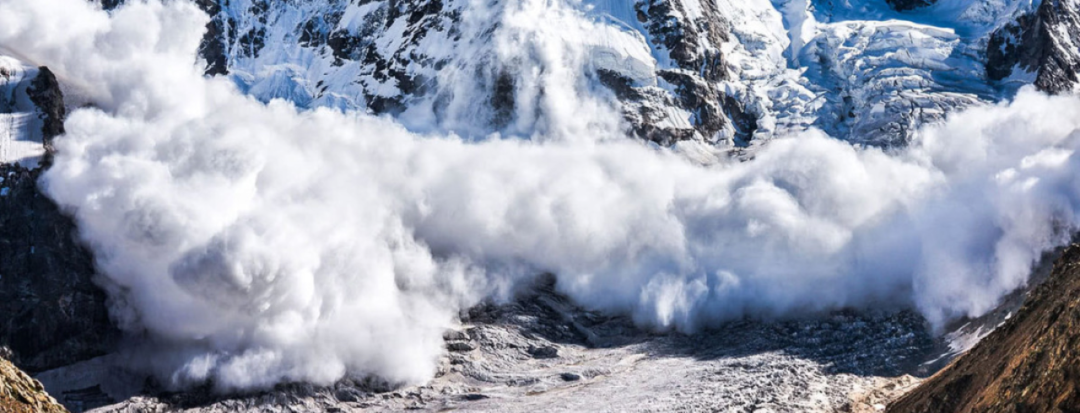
19, 393
1030, 364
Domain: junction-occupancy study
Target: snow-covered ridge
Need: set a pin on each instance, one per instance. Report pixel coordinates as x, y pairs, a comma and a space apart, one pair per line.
722, 71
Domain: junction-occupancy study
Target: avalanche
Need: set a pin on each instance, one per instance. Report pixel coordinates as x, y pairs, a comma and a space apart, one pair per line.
255, 240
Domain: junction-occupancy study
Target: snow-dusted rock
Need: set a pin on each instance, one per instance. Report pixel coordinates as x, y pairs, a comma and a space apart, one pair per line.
1040, 47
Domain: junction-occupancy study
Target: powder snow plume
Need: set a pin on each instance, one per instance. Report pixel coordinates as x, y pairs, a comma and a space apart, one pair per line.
252, 243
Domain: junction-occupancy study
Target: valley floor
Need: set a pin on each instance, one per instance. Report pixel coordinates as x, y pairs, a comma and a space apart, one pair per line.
541, 353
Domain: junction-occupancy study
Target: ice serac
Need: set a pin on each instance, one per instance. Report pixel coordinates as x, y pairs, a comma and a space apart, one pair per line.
1042, 47
889, 78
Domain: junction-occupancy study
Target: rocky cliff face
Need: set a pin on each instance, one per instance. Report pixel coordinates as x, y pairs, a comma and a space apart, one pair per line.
1042, 46
52, 312
1030, 364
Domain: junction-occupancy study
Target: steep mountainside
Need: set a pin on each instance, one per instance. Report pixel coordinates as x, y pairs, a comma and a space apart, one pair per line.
52, 313
1030, 364
720, 71
1044, 43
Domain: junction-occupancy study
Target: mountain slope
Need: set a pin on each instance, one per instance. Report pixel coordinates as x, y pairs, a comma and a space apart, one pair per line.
1030, 364
1044, 44
52, 312
726, 72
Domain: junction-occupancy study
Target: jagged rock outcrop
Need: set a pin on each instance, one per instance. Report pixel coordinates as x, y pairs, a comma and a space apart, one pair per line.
1030, 364
693, 44
45, 92
1044, 44
21, 394
903, 5
52, 312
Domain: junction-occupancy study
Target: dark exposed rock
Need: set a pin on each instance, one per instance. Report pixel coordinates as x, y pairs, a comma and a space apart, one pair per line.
111, 4
682, 39
621, 85
904, 5
702, 96
1030, 364
51, 312
1042, 42
570, 377
454, 335
212, 47
45, 92
744, 122
502, 100
693, 46
348, 394
459, 346
472, 397
543, 352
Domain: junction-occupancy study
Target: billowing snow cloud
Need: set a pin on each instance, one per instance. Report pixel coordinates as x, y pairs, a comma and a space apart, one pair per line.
255, 243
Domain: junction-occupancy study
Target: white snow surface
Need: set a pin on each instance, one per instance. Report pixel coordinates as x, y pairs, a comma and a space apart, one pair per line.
20, 122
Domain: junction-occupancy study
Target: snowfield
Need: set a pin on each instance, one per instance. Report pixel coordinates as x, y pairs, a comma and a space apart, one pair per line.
20, 122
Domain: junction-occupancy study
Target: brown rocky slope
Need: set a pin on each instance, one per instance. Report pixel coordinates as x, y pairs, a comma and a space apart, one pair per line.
1029, 364
21, 394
